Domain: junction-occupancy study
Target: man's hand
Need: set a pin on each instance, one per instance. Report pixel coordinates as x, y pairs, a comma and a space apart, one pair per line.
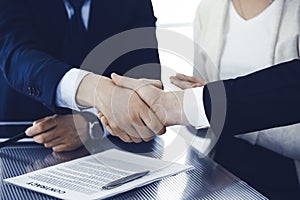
184, 82
129, 117
168, 106
60, 132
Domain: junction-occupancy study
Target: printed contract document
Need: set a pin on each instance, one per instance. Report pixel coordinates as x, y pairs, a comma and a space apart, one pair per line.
84, 178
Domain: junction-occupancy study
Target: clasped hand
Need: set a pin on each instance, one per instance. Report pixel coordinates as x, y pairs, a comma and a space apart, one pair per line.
129, 117
167, 106
135, 110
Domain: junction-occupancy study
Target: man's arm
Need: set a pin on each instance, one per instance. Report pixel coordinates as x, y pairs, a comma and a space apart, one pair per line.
265, 99
23, 61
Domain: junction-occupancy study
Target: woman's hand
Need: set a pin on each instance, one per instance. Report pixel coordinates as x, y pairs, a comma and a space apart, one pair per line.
60, 132
184, 82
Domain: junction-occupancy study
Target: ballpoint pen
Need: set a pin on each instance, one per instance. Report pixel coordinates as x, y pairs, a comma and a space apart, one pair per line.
13, 139
124, 180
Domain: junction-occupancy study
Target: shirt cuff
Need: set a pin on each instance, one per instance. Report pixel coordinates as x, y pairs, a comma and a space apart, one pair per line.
67, 88
193, 107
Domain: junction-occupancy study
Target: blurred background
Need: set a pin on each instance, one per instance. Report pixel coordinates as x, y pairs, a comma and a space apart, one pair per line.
178, 16
175, 15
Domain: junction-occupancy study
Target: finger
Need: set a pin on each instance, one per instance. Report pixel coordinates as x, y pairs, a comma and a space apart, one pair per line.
136, 139
132, 133
145, 133
127, 127
152, 122
188, 78
180, 83
61, 148
54, 142
41, 127
124, 81
140, 126
155, 83
39, 120
65, 147
100, 114
119, 133
134, 84
183, 77
44, 119
125, 138
47, 136
105, 123
142, 131
149, 139
197, 85
109, 129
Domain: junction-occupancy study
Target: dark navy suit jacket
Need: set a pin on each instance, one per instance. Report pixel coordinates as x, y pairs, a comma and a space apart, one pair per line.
31, 38
265, 99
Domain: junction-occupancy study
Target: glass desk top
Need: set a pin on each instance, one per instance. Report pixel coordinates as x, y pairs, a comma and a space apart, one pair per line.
207, 181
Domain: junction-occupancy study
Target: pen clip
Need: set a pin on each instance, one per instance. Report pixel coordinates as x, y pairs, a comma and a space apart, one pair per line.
124, 180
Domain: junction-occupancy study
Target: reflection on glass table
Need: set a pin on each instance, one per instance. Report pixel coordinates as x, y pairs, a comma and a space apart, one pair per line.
207, 181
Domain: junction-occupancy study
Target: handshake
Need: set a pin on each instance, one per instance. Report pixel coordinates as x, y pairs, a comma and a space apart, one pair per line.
134, 110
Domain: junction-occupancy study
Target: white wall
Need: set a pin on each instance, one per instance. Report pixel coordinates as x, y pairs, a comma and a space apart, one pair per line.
175, 11
178, 16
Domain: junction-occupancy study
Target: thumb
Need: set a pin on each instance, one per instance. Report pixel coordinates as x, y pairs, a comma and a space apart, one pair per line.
123, 81
134, 84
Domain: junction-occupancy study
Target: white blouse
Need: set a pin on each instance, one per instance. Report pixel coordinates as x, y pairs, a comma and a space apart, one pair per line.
248, 43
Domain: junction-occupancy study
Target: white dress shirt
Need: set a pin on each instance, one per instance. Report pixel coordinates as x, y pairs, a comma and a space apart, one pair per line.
68, 85
193, 107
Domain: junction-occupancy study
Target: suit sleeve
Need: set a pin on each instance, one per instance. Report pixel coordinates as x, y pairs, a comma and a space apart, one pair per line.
143, 62
24, 64
146, 18
265, 99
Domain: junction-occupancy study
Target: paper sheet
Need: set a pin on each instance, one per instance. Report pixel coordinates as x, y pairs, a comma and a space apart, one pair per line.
83, 178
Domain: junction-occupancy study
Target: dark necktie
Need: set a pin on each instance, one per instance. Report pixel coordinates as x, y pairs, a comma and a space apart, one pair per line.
75, 41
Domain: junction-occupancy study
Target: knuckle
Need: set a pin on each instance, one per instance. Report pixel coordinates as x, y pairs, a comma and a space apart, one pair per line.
41, 127
125, 139
111, 132
41, 139
118, 131
162, 131
114, 127
156, 127
159, 83
55, 149
136, 140
36, 139
46, 145
148, 139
